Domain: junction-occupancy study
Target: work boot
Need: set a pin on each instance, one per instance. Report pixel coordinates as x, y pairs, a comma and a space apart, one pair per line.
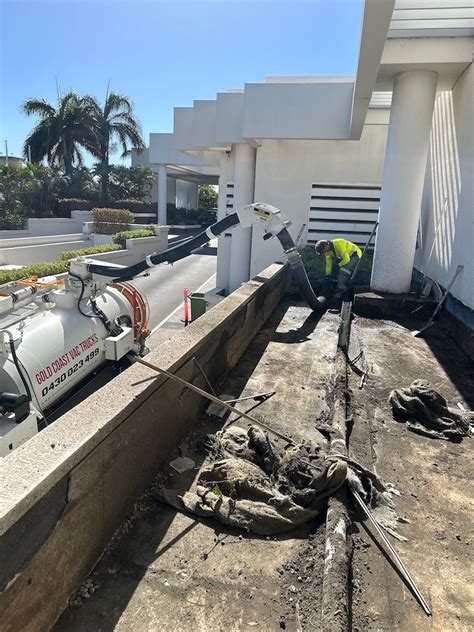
335, 304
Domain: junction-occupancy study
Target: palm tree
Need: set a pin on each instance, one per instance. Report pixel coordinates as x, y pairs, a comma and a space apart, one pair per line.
115, 124
61, 132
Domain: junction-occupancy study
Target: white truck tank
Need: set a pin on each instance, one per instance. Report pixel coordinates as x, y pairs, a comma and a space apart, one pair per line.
57, 347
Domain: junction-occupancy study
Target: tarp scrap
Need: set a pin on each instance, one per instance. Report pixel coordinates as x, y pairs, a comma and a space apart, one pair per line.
250, 484
426, 412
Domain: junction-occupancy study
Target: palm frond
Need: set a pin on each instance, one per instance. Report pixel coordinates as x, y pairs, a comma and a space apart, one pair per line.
37, 106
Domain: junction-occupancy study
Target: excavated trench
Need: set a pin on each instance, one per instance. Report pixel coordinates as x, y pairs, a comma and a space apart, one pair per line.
167, 569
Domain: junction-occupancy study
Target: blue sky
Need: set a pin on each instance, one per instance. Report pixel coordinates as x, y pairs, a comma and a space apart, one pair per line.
164, 53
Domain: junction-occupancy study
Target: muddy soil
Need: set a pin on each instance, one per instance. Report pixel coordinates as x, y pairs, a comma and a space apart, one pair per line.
171, 571
433, 476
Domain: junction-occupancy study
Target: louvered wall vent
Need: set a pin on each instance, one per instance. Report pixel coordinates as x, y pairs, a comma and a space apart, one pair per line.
343, 210
229, 198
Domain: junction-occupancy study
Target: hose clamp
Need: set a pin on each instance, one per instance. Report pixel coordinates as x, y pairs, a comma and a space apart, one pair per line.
148, 260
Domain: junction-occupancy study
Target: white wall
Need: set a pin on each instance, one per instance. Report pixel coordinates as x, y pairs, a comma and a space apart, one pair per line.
136, 249
53, 226
297, 110
448, 198
26, 255
286, 169
171, 191
186, 194
7, 242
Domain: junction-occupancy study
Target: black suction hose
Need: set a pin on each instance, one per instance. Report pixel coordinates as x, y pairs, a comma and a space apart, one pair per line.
181, 250
317, 303
17, 364
175, 253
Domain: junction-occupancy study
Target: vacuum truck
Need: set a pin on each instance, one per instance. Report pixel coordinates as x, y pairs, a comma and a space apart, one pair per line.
56, 331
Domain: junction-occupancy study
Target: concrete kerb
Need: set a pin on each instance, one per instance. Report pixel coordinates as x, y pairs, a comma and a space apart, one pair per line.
104, 453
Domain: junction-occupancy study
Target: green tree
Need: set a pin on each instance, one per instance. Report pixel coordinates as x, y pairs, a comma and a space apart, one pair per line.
79, 184
130, 182
12, 211
28, 190
61, 132
114, 125
207, 197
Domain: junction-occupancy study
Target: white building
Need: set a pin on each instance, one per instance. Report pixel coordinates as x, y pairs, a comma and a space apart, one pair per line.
180, 174
331, 151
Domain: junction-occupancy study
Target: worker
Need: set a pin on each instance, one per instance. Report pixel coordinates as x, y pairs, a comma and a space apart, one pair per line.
347, 256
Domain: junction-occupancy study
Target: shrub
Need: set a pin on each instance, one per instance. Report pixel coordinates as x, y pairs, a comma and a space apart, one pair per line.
64, 206
12, 218
135, 206
315, 265
206, 218
121, 238
312, 262
35, 269
82, 252
108, 221
182, 215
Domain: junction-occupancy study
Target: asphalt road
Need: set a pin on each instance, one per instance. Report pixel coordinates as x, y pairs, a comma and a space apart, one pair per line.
165, 284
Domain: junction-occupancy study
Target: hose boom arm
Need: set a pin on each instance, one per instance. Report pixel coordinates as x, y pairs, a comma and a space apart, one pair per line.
271, 219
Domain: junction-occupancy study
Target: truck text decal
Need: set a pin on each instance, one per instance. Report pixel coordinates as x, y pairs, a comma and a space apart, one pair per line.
65, 359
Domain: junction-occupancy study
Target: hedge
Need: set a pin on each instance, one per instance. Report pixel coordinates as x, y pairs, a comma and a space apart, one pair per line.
93, 250
121, 238
73, 204
182, 215
64, 206
35, 269
135, 206
53, 267
108, 221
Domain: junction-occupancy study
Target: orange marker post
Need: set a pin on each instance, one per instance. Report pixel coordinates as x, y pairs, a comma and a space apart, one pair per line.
186, 307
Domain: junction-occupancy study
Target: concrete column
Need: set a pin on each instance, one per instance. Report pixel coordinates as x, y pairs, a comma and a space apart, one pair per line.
223, 243
162, 194
241, 242
406, 154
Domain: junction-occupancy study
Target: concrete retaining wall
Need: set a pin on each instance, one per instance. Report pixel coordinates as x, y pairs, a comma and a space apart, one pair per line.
136, 249
29, 240
13, 234
66, 491
36, 253
38, 249
53, 226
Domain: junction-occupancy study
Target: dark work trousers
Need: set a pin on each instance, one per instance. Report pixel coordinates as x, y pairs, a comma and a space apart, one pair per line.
345, 274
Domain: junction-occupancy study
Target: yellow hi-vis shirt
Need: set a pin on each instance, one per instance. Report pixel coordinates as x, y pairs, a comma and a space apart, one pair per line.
342, 251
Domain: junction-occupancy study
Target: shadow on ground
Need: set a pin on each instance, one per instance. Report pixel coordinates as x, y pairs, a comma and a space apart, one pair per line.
162, 544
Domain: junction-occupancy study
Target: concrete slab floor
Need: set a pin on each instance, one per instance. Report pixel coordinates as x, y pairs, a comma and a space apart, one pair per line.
434, 478
173, 572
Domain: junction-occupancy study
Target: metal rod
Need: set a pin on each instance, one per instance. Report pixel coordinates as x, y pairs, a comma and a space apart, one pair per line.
244, 399
459, 269
354, 272
201, 370
212, 398
401, 566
